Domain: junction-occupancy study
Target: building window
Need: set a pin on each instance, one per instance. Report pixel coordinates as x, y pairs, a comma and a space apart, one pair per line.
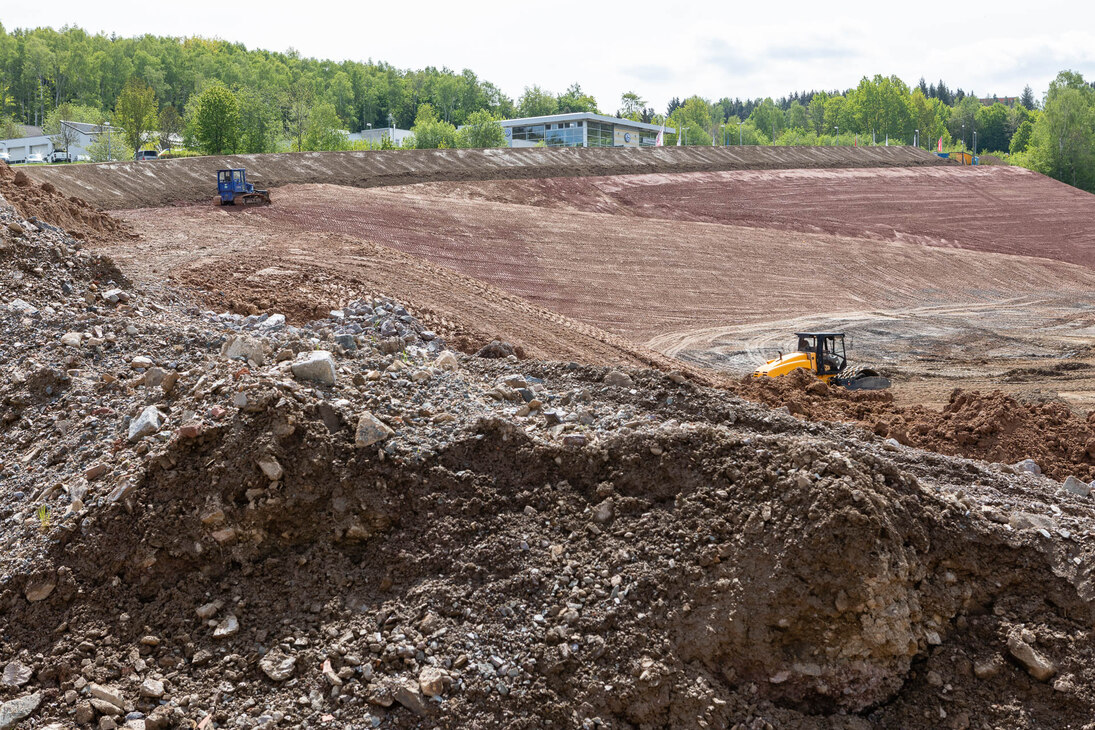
600, 135
564, 136
532, 133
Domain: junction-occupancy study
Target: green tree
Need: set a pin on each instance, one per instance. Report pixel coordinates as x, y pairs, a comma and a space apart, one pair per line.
217, 120
797, 118
536, 102
481, 130
632, 106
880, 107
992, 124
110, 146
324, 129
1063, 139
137, 113
430, 132
575, 100
171, 126
1021, 139
768, 118
298, 100
816, 112
963, 120
260, 126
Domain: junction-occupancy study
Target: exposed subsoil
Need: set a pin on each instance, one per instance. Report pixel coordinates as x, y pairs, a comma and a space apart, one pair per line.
166, 182
998, 209
415, 545
42, 201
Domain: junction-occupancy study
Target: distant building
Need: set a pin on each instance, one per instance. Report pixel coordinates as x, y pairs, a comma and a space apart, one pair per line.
1005, 100
376, 136
581, 129
82, 136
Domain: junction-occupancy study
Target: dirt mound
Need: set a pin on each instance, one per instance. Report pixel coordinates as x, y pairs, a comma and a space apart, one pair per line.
990, 426
231, 521
42, 201
127, 184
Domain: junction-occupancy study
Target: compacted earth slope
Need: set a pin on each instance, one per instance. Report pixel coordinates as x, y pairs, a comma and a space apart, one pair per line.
219, 521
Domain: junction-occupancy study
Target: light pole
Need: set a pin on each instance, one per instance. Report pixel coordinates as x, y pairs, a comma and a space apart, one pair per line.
836, 136
739, 132
916, 139
963, 135
109, 153
975, 143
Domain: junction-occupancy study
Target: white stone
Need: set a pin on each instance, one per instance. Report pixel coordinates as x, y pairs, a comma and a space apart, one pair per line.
243, 347
618, 378
141, 362
15, 711
271, 468
317, 366
447, 361
71, 339
278, 666
1073, 485
149, 422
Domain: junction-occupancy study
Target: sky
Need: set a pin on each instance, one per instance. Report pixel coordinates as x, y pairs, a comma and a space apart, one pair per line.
658, 50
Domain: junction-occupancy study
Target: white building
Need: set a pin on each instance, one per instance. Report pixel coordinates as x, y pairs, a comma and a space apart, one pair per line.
81, 136
580, 130
376, 136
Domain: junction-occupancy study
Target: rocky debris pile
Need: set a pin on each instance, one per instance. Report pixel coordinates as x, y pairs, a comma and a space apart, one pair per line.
44, 204
990, 426
221, 521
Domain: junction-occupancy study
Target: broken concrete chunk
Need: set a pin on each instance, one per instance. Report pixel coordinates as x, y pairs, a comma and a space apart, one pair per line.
317, 366
149, 422
619, 379
1073, 485
15, 711
271, 468
15, 675
243, 347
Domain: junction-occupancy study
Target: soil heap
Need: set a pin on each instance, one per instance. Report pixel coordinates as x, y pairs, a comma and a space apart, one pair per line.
43, 201
232, 522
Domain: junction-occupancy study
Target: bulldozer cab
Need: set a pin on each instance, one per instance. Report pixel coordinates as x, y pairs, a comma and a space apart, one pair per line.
232, 181
830, 357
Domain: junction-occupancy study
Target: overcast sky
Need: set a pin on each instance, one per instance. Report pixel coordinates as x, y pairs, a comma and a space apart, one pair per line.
724, 49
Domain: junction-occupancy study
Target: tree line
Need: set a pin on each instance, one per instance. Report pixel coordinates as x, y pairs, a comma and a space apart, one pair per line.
215, 96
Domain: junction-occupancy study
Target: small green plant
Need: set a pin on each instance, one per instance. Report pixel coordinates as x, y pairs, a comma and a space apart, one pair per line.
43, 515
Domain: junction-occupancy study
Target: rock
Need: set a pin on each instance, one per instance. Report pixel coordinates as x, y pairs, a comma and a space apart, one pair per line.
1031, 521
71, 339
407, 693
39, 590
169, 380
271, 468
370, 430
149, 422
114, 296
243, 347
163, 717
317, 366
1073, 485
209, 610
85, 713
496, 349
447, 361
18, 305
141, 362
677, 377
278, 666
1027, 466
603, 512
190, 430
273, 322
229, 626
1036, 665
619, 379
15, 675
154, 376
346, 342
106, 694
329, 674
107, 723
14, 711
431, 680
152, 688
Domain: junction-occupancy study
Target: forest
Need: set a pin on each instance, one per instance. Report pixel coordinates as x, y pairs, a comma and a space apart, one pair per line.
212, 96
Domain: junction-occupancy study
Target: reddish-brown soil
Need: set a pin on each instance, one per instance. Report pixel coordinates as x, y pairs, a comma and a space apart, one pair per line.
995, 209
44, 202
164, 182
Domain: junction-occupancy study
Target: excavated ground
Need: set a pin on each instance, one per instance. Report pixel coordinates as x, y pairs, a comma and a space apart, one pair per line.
445, 540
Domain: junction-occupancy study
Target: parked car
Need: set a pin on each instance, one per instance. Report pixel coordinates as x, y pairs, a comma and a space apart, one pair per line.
60, 156
35, 158
5, 156
147, 154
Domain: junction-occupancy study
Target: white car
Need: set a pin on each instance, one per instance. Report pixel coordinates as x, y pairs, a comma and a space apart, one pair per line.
34, 158
5, 156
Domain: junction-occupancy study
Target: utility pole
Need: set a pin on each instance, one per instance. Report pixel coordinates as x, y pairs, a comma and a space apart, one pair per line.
739, 132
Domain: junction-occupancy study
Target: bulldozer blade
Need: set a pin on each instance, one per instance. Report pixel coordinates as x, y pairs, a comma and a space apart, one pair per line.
874, 382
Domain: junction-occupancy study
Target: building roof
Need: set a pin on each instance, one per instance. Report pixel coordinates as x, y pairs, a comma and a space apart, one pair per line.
90, 128
583, 116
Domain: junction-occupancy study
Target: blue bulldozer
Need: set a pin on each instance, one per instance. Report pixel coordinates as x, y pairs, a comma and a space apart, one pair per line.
233, 188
